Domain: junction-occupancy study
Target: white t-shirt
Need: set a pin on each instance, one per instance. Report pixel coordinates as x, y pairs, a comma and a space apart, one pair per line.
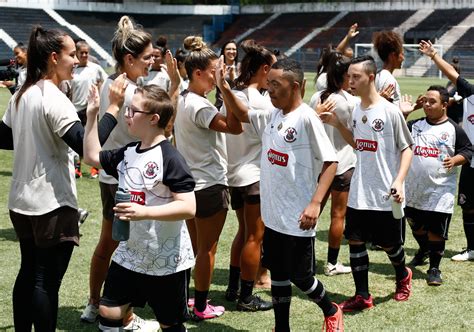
83, 79
429, 186
21, 77
159, 78
383, 79
151, 175
294, 147
43, 177
244, 150
322, 82
203, 149
380, 134
119, 136
344, 106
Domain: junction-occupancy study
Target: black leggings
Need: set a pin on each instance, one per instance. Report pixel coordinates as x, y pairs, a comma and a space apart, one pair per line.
35, 294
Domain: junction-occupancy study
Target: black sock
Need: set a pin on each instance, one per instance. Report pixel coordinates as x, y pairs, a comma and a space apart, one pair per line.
316, 292
333, 253
246, 287
281, 298
200, 300
175, 328
234, 277
436, 252
359, 259
468, 222
397, 257
422, 240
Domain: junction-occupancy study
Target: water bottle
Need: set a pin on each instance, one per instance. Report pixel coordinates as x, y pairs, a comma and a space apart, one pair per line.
121, 228
397, 209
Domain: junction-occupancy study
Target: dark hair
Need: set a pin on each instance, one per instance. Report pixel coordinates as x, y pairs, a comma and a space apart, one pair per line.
81, 43
128, 39
162, 44
324, 59
180, 55
291, 67
255, 57
387, 42
22, 47
157, 101
456, 65
225, 45
41, 44
336, 71
199, 56
443, 92
368, 61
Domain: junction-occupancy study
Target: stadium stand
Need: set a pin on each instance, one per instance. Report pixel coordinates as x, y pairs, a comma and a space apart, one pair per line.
240, 24
5, 51
101, 26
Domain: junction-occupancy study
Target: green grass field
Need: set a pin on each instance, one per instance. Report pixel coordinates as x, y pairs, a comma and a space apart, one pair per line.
445, 308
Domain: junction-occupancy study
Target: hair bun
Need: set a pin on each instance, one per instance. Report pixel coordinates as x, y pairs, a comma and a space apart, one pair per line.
194, 43
250, 46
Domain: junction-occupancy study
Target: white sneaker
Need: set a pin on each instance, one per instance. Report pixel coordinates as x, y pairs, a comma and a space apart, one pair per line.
332, 270
139, 324
90, 313
465, 255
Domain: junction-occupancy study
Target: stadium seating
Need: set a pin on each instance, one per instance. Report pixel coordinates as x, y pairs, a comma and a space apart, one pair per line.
240, 24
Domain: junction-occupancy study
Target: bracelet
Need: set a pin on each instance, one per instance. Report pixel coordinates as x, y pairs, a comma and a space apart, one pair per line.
433, 55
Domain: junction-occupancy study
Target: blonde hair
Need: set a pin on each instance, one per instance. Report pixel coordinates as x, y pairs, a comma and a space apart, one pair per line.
128, 39
199, 55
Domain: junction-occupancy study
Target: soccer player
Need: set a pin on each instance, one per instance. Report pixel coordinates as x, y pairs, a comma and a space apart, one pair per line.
466, 189
151, 266
295, 151
383, 148
440, 146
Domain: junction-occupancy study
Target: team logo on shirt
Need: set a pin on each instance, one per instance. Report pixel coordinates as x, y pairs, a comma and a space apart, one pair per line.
277, 158
444, 136
354, 123
290, 135
151, 170
137, 197
378, 125
470, 118
426, 151
366, 145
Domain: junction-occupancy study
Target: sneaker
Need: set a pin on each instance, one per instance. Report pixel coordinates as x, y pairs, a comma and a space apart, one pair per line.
465, 255
83, 214
357, 303
419, 258
94, 173
338, 268
255, 304
208, 313
90, 313
232, 295
334, 323
403, 287
434, 277
78, 173
142, 325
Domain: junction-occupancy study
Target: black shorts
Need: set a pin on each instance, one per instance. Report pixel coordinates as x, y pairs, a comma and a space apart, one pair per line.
378, 227
82, 114
240, 195
50, 229
107, 194
342, 182
166, 295
288, 256
434, 222
211, 200
466, 188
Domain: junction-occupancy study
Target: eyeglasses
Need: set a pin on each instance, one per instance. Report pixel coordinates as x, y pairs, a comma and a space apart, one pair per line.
130, 111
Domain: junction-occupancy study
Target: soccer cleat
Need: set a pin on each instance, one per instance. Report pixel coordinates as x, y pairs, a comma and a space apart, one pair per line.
335, 322
209, 313
465, 255
403, 287
255, 304
357, 303
94, 173
78, 173
83, 214
338, 268
434, 277
141, 325
232, 295
90, 313
419, 258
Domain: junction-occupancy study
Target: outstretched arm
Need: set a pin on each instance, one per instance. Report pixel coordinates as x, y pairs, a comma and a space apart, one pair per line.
426, 47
